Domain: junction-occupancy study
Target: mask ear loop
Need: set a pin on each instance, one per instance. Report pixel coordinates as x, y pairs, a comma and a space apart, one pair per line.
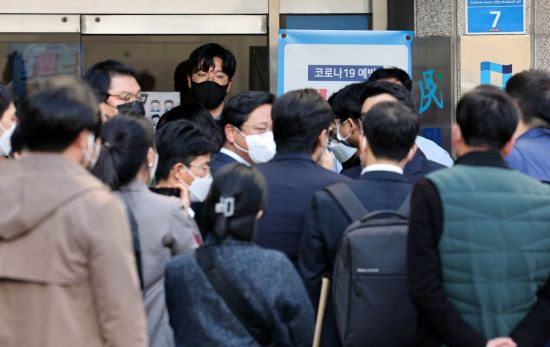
243, 135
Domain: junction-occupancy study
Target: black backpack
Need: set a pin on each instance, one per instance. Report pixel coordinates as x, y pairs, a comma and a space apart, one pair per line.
369, 284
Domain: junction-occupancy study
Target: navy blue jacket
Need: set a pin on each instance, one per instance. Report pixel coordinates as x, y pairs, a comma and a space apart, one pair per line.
415, 169
220, 161
325, 223
200, 317
291, 179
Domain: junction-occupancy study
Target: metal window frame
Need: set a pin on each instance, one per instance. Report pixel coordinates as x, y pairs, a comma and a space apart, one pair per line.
33, 23
173, 24
325, 6
135, 7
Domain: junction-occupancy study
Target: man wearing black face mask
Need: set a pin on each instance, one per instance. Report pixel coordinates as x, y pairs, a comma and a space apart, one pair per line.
211, 68
116, 88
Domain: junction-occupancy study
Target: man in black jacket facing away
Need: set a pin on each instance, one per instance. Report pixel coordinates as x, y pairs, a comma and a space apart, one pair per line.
389, 130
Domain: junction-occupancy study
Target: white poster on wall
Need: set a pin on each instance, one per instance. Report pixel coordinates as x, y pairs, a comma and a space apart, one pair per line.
157, 103
328, 60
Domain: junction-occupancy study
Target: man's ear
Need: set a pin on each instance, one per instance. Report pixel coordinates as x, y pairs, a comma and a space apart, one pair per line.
505, 151
457, 135
412, 153
229, 85
363, 144
260, 214
175, 171
323, 138
150, 157
229, 133
81, 141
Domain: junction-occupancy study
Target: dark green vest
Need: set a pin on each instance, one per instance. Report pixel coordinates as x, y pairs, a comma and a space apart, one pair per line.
495, 247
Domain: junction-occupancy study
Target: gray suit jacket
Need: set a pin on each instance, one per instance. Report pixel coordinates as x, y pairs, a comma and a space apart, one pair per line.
165, 229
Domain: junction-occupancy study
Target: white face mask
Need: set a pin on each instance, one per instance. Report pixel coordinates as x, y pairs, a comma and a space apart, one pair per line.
91, 153
200, 187
261, 147
341, 151
5, 140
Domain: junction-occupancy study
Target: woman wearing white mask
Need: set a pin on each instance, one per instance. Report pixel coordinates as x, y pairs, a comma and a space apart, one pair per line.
164, 228
7, 120
247, 127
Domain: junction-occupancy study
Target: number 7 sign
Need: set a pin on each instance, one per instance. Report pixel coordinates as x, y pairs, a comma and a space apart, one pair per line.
485, 17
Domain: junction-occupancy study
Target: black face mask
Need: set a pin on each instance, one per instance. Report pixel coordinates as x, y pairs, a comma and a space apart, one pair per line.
134, 108
209, 93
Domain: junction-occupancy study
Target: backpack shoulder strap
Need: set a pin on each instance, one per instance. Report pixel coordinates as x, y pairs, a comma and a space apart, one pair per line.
405, 207
238, 305
347, 200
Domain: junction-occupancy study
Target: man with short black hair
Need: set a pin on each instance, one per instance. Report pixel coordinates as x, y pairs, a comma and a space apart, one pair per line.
68, 274
430, 149
478, 254
300, 126
386, 144
531, 90
376, 92
183, 169
116, 88
346, 107
392, 74
247, 129
184, 157
210, 71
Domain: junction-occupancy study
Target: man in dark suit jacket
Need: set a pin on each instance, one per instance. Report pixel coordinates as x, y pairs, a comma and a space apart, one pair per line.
389, 130
246, 123
376, 92
300, 122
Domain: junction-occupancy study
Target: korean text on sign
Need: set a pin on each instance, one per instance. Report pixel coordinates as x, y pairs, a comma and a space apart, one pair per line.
340, 72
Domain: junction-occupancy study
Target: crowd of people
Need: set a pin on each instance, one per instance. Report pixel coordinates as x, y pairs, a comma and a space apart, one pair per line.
271, 221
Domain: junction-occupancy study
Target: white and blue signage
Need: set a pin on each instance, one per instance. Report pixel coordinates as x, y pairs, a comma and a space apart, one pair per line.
495, 17
328, 60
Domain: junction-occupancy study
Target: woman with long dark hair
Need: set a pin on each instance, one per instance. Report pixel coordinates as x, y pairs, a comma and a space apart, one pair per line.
125, 163
267, 302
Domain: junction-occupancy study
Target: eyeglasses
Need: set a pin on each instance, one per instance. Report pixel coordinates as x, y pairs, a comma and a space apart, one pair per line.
127, 96
202, 76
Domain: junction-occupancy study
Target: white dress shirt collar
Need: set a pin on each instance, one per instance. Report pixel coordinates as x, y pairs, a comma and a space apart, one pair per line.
234, 156
383, 167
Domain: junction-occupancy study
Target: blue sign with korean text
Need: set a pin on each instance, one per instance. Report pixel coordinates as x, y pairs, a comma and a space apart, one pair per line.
495, 16
328, 60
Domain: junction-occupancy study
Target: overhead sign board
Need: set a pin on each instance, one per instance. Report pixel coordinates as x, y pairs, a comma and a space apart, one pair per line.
328, 60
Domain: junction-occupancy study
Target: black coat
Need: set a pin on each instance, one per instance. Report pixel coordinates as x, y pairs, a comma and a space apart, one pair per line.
220, 161
291, 181
415, 169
